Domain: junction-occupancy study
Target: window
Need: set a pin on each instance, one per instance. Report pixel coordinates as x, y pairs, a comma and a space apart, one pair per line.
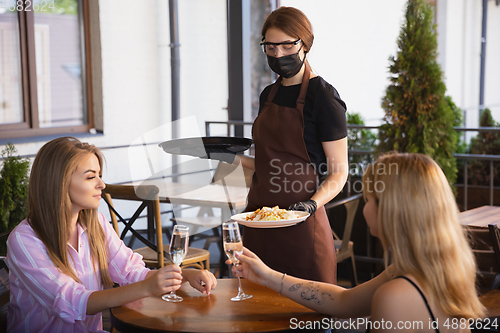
44, 68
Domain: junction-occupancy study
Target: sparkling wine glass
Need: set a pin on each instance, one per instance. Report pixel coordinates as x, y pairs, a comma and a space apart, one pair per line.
233, 245
177, 249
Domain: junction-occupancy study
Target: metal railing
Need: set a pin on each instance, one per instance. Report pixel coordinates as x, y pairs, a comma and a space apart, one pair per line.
465, 158
230, 124
461, 157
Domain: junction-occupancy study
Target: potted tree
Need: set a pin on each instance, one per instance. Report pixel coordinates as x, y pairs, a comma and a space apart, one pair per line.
418, 117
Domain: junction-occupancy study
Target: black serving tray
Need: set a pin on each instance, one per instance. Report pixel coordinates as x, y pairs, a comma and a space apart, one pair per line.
201, 146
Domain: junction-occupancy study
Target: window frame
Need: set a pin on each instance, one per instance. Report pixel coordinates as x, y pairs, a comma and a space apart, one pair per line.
30, 126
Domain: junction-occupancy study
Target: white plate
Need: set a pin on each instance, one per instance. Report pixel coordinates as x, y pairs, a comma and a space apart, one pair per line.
241, 219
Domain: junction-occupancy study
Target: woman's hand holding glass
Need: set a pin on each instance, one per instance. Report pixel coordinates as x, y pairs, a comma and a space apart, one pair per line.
164, 280
233, 246
252, 268
169, 278
178, 250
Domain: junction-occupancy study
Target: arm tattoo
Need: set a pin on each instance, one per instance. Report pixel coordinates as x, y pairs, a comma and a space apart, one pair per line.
311, 292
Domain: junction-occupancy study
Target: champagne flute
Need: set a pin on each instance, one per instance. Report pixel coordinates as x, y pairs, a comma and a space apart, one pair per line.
233, 245
177, 249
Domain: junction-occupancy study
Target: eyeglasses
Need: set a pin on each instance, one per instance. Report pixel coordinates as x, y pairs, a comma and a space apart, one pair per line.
285, 47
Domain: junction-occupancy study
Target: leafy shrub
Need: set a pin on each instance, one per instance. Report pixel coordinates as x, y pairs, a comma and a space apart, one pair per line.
13, 191
359, 139
485, 143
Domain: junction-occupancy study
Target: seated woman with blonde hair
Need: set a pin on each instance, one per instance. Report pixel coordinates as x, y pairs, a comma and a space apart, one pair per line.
430, 285
63, 255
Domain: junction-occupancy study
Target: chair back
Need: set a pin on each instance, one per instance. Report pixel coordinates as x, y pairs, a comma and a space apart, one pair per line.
351, 204
4, 294
485, 244
495, 240
148, 196
344, 248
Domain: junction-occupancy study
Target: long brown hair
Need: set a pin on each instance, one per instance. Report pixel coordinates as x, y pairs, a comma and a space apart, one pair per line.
418, 221
292, 22
50, 204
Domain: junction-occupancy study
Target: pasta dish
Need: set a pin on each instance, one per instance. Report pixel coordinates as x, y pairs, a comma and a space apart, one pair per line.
271, 214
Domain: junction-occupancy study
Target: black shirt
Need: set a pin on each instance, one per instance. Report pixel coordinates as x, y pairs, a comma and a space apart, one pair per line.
324, 115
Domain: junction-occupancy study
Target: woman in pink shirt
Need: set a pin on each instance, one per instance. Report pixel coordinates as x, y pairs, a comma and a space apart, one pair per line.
64, 258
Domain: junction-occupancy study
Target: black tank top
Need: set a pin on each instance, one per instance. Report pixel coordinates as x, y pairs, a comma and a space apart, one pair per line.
421, 294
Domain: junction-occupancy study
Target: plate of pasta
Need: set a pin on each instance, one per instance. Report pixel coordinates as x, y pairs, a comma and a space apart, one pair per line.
267, 217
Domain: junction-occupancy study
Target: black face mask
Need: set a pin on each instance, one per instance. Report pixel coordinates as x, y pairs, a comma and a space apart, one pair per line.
286, 66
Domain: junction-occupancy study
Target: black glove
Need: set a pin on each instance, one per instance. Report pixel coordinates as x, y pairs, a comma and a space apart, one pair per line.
309, 206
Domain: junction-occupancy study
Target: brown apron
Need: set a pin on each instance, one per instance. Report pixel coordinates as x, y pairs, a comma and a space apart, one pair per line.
284, 175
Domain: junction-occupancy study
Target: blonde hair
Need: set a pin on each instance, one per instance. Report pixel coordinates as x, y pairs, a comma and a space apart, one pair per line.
50, 204
418, 221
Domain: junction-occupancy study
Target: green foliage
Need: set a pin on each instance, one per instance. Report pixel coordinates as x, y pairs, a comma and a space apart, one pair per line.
13, 191
68, 7
359, 139
485, 143
458, 115
418, 117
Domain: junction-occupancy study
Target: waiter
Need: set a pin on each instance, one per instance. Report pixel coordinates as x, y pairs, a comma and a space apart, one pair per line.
301, 161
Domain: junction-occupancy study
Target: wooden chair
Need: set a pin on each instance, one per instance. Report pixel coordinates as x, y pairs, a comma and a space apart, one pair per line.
4, 295
153, 254
344, 248
225, 174
485, 243
4, 288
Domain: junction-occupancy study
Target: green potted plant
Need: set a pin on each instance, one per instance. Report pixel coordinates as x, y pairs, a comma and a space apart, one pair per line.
418, 117
359, 139
13, 192
485, 143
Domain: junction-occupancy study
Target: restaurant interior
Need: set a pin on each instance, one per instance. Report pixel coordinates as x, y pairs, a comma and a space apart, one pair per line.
165, 88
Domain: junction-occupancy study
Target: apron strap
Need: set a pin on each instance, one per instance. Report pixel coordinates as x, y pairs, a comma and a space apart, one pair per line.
304, 86
274, 90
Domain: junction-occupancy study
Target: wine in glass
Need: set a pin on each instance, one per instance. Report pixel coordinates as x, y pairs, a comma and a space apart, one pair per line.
232, 246
177, 249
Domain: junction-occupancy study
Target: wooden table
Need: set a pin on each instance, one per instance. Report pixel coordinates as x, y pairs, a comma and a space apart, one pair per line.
481, 217
229, 199
265, 311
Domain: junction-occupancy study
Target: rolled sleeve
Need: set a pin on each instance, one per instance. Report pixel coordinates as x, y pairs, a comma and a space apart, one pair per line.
79, 309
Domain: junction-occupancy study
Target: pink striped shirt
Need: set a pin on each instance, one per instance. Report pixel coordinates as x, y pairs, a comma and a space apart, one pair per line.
42, 299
